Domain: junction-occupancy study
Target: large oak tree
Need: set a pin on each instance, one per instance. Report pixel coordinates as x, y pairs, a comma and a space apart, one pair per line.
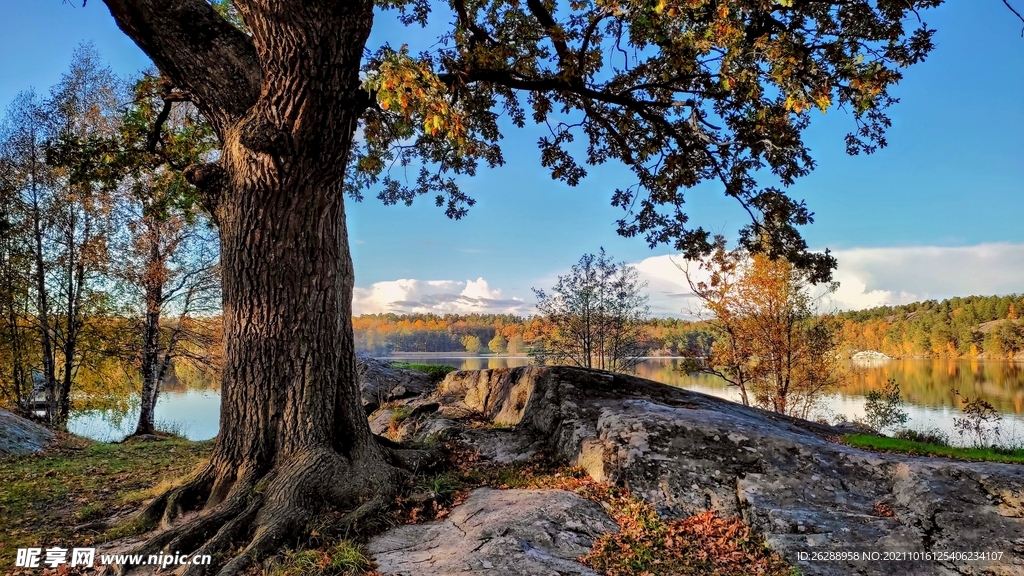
680, 91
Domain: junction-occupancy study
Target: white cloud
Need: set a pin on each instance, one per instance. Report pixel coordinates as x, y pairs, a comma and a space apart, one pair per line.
875, 276
408, 296
669, 293
871, 277
868, 277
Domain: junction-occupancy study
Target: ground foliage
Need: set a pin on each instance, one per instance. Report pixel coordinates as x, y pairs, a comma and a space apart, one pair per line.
49, 499
936, 447
646, 544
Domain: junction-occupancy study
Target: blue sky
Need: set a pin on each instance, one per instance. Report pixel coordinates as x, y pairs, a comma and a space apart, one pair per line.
936, 214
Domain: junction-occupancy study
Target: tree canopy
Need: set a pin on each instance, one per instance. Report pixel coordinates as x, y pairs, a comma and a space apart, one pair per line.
680, 91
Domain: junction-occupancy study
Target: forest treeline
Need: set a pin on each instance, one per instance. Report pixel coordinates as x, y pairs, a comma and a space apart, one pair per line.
383, 334
972, 326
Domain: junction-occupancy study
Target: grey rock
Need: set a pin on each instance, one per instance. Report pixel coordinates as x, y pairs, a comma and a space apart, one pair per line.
499, 532
686, 452
385, 421
850, 427
379, 382
21, 436
381, 420
870, 355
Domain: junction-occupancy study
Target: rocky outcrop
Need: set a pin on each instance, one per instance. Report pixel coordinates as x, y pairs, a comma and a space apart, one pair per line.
870, 357
686, 452
498, 532
21, 436
379, 382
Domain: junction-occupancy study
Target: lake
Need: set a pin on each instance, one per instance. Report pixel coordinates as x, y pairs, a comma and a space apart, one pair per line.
926, 385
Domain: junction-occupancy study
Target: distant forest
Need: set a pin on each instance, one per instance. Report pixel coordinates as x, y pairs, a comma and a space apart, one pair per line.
973, 326
382, 334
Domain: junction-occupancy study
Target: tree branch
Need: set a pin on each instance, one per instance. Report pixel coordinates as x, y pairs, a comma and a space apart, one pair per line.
554, 32
158, 126
1007, 2
198, 50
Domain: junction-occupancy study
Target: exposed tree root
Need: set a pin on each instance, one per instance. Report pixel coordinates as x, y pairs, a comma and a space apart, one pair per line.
261, 512
167, 507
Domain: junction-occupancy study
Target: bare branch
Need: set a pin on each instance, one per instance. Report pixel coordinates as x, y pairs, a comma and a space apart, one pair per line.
1007, 2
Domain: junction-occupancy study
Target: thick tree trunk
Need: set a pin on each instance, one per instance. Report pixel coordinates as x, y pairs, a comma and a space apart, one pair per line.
288, 279
294, 438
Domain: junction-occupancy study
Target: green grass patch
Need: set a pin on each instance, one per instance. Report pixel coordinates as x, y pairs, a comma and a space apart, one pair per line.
1011, 456
400, 413
344, 558
437, 372
43, 497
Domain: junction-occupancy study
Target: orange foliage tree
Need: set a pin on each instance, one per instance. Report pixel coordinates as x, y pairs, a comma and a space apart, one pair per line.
769, 340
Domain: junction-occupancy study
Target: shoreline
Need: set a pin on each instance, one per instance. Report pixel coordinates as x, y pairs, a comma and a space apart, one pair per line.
408, 355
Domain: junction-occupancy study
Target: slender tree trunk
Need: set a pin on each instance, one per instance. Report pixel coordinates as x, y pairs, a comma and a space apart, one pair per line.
150, 363
42, 300
20, 381
76, 278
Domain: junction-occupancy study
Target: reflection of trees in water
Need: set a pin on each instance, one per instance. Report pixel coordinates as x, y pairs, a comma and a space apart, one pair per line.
667, 371
924, 382
109, 389
927, 382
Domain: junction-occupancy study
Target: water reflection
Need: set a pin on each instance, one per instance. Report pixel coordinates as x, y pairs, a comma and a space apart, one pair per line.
194, 414
926, 386
925, 383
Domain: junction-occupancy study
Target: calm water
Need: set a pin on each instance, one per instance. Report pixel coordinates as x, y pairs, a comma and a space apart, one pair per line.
925, 383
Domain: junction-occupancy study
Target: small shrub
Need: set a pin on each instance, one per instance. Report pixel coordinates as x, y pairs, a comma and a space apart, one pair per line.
884, 409
981, 420
445, 486
930, 436
399, 414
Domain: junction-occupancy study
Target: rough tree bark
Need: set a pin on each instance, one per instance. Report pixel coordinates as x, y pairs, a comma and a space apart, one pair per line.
285, 102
